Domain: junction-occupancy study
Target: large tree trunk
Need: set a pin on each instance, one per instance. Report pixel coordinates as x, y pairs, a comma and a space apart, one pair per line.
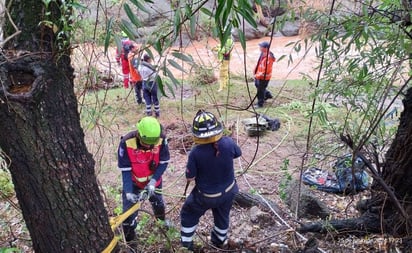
40, 133
397, 174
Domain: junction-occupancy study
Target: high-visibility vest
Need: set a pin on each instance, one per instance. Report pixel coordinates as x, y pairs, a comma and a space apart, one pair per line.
143, 162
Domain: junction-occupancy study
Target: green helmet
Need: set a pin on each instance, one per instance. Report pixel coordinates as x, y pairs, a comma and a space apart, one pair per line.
149, 130
124, 34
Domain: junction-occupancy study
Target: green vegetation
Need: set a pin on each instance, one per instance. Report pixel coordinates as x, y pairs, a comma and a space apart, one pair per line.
364, 72
286, 179
155, 232
9, 250
6, 185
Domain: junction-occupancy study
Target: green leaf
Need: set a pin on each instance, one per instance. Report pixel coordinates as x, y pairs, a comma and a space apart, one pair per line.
207, 12
298, 47
183, 57
219, 10
139, 5
170, 89
246, 11
242, 38
131, 15
227, 33
177, 22
225, 18
176, 65
108, 35
157, 46
79, 6
172, 77
118, 41
283, 56
248, 17
193, 24
160, 85
128, 28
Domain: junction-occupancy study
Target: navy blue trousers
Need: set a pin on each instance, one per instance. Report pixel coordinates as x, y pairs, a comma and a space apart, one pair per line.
130, 224
262, 92
195, 207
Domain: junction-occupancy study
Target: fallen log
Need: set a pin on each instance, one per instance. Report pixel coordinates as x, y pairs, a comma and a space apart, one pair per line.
365, 224
248, 200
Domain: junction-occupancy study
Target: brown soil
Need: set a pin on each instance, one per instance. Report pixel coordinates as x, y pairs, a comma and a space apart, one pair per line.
258, 170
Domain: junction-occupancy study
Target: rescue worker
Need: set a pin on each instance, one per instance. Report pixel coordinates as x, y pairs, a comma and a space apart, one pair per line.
148, 73
122, 58
143, 156
210, 166
135, 77
263, 73
223, 55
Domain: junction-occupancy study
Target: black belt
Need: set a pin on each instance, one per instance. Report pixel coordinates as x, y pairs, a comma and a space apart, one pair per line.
215, 195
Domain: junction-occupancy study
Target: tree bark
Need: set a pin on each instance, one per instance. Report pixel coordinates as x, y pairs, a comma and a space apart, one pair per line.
397, 173
357, 226
247, 200
40, 134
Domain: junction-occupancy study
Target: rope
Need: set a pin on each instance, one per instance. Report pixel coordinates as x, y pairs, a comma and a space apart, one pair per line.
111, 245
117, 221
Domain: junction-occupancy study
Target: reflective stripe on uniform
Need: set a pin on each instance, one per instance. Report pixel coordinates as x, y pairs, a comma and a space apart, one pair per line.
215, 195
186, 238
221, 234
188, 229
143, 179
220, 231
125, 169
186, 233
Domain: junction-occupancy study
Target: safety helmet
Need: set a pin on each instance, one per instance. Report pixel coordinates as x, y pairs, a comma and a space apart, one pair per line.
124, 34
149, 130
205, 125
264, 44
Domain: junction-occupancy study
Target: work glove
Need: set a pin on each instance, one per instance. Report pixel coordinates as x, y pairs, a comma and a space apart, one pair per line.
150, 188
132, 197
143, 196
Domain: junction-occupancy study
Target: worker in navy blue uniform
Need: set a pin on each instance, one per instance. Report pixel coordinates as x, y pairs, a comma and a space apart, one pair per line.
143, 156
210, 166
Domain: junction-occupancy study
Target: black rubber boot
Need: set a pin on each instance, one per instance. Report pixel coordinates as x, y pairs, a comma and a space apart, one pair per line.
217, 242
130, 236
188, 245
159, 212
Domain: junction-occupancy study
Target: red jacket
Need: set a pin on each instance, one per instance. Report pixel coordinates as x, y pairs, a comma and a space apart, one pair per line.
134, 73
263, 69
120, 56
141, 162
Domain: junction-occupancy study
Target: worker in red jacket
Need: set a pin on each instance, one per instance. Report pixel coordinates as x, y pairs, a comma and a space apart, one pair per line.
263, 73
143, 156
122, 58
